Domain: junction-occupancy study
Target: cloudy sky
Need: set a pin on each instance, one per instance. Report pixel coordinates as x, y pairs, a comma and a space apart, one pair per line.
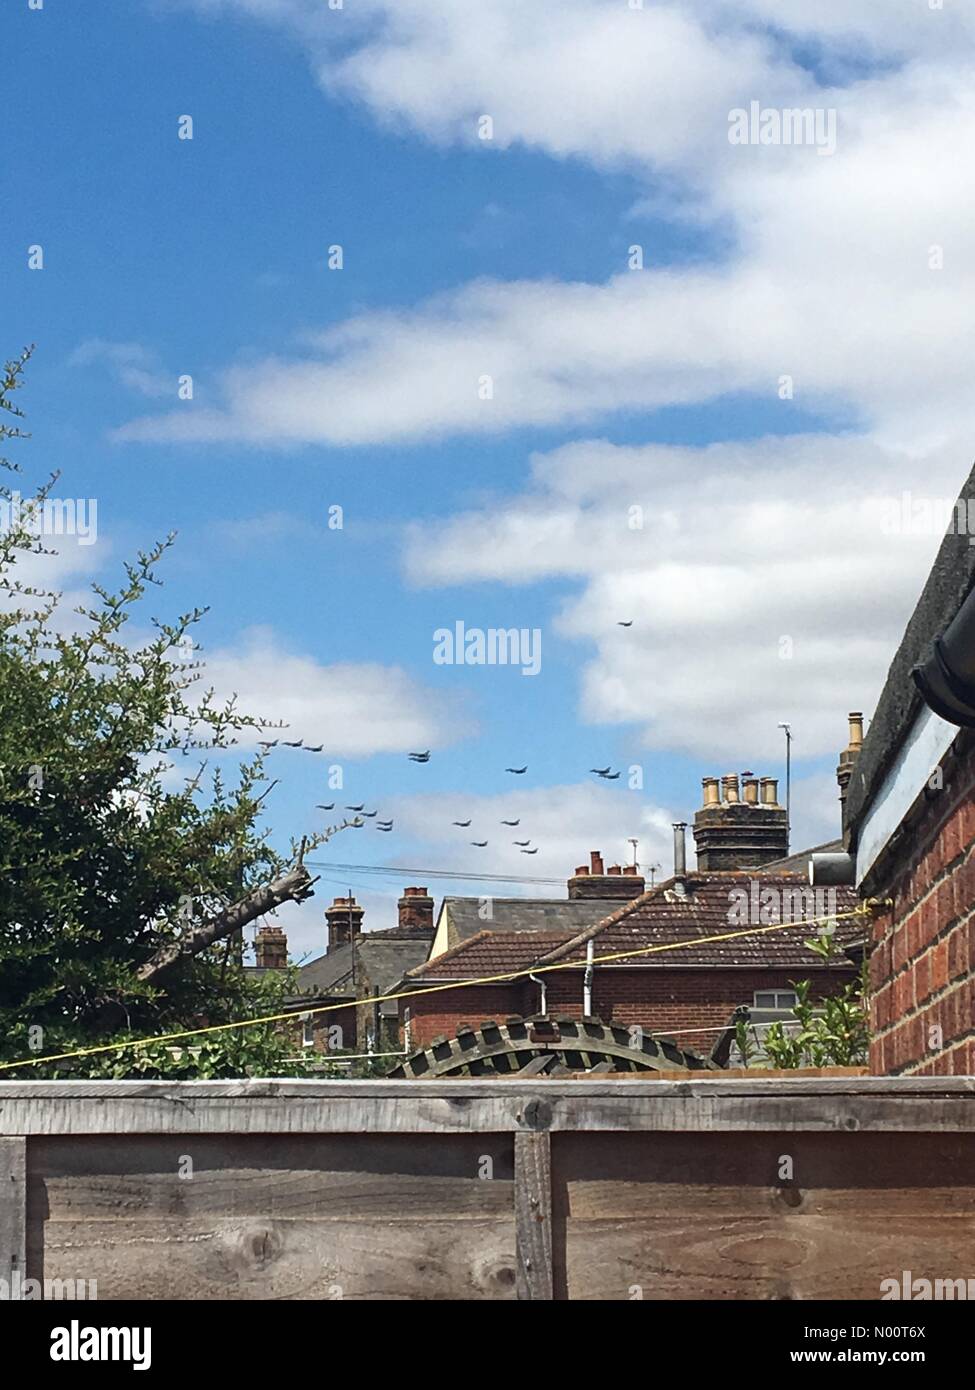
584, 361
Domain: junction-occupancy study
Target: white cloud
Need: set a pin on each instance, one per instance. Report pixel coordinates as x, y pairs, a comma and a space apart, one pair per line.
564, 823
832, 282
134, 365
764, 580
354, 709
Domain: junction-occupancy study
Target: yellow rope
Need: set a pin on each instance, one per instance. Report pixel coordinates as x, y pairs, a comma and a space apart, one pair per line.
298, 1012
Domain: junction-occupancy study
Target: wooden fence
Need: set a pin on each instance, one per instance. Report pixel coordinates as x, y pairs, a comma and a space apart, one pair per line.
716, 1189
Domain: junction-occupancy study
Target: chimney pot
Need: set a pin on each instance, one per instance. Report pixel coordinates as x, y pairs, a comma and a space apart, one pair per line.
712, 791
770, 791
750, 790
729, 785
596, 861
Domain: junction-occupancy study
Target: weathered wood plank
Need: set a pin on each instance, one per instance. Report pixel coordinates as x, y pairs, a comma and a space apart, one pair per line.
629, 1177
13, 1207
719, 1256
457, 1107
376, 1178
533, 1215
272, 1258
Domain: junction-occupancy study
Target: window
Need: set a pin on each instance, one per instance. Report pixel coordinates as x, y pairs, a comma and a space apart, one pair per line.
775, 999
307, 1031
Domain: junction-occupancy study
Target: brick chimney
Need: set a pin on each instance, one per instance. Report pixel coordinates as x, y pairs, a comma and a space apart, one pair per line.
616, 883
416, 909
735, 833
271, 948
344, 920
851, 752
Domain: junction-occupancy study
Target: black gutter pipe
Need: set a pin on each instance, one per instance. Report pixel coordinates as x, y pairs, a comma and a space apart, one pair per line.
946, 679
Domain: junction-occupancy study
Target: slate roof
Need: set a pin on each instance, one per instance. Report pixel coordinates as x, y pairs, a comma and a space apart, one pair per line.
384, 958
661, 917
799, 863
524, 914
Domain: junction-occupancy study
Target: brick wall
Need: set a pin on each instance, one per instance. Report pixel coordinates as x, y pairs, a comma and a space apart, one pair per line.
676, 1003
439, 1013
671, 1002
922, 962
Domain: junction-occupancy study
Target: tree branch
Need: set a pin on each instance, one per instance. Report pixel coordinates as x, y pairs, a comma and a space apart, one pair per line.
294, 886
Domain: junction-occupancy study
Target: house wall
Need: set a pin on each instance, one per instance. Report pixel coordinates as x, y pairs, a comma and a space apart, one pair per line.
672, 1002
323, 1029
442, 1011
677, 1002
922, 962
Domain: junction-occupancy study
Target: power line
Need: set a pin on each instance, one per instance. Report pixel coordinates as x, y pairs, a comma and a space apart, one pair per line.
398, 871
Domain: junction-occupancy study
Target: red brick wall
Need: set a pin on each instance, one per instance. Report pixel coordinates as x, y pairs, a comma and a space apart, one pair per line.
439, 1013
922, 963
677, 1002
661, 1001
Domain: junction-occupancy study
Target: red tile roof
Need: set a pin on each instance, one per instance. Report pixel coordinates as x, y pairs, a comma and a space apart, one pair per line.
714, 906
491, 953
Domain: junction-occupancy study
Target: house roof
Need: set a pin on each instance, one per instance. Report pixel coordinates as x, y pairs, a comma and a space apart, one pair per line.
799, 863
466, 915
662, 917
383, 958
490, 952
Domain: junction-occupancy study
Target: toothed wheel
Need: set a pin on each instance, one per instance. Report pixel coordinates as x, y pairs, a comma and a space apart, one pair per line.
546, 1046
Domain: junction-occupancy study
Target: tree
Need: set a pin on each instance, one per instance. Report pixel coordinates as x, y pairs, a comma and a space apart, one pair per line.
120, 893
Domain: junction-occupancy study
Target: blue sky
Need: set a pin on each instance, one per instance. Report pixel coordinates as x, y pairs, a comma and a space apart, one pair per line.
208, 256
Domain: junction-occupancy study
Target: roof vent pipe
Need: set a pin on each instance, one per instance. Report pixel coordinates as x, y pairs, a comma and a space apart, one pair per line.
947, 679
680, 849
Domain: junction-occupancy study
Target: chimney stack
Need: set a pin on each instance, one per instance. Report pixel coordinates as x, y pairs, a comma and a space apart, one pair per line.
344, 920
744, 829
416, 910
271, 949
595, 881
851, 752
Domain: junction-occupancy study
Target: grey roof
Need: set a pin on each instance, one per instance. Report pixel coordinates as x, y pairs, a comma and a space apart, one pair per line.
382, 958
799, 863
947, 587
329, 974
525, 914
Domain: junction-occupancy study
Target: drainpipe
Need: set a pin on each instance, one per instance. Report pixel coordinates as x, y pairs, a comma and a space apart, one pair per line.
587, 982
537, 980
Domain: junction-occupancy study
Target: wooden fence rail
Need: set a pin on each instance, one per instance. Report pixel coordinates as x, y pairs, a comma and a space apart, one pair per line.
814, 1188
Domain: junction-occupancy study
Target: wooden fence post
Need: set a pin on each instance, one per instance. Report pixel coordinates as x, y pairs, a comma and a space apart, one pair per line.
533, 1214
13, 1210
